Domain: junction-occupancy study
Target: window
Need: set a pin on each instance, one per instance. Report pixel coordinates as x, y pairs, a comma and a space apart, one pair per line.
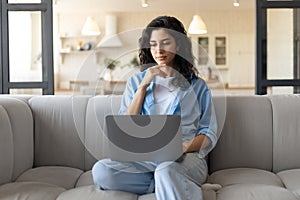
26, 49
277, 45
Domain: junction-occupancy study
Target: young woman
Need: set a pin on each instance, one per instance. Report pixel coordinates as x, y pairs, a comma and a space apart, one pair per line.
167, 85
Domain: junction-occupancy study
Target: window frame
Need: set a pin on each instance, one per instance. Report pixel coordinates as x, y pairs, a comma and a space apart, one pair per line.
47, 83
262, 82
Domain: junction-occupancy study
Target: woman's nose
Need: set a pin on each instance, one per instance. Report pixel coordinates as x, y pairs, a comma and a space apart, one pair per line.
159, 47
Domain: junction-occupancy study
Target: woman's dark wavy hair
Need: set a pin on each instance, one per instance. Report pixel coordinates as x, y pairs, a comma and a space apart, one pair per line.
183, 61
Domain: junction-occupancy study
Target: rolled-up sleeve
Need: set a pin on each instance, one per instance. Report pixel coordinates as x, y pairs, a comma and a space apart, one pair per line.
207, 123
198, 115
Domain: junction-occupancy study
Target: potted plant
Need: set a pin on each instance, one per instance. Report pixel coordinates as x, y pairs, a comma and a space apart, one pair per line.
110, 65
134, 62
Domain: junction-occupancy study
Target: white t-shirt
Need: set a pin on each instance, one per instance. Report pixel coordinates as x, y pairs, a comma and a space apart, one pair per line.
164, 94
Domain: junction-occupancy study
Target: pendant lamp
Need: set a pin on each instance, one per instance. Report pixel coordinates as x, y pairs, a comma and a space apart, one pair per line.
197, 26
90, 27
145, 3
236, 3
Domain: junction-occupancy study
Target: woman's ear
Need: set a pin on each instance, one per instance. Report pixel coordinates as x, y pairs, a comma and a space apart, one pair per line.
177, 48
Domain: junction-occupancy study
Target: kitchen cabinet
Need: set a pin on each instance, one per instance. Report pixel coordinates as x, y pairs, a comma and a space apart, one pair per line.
213, 48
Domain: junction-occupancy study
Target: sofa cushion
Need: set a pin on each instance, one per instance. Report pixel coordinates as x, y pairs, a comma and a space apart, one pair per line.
234, 176
29, 191
254, 192
286, 127
95, 140
16, 138
59, 130
64, 177
147, 197
91, 193
291, 180
85, 179
246, 138
207, 195
6, 147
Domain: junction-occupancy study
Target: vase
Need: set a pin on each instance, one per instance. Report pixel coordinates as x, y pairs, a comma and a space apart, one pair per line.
108, 75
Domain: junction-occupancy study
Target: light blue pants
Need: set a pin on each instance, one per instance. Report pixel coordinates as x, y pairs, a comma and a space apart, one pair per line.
169, 180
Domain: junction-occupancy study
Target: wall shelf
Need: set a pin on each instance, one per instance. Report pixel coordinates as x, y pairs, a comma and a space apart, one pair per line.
75, 52
69, 45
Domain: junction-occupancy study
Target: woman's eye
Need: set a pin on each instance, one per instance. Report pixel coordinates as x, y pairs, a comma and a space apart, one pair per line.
152, 44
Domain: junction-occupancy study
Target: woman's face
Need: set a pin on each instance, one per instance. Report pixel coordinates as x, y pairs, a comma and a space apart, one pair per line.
163, 47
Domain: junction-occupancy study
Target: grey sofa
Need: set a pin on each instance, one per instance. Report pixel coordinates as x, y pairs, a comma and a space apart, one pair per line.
48, 145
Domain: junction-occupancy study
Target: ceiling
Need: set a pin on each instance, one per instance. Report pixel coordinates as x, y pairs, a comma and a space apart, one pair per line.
154, 5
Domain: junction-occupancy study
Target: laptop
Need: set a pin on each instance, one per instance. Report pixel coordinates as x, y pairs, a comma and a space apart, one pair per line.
144, 137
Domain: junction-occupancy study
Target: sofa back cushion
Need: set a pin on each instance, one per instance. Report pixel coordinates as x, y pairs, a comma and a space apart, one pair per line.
69, 131
246, 137
95, 140
16, 138
59, 130
286, 130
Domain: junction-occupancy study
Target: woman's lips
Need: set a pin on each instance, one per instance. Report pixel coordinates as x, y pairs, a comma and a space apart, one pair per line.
161, 57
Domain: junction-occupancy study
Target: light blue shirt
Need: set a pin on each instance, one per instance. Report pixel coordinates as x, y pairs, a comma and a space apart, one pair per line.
193, 104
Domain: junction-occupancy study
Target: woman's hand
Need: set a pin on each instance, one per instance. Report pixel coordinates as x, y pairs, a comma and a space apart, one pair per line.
136, 105
200, 141
151, 73
185, 146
